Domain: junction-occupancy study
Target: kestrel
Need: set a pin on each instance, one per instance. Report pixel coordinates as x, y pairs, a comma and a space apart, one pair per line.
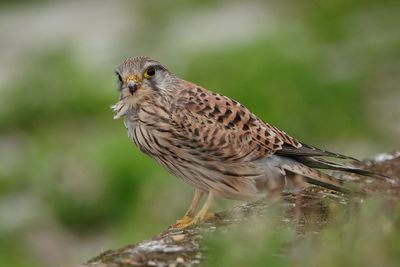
212, 142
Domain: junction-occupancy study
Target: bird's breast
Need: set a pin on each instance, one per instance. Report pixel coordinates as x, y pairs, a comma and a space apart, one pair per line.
148, 128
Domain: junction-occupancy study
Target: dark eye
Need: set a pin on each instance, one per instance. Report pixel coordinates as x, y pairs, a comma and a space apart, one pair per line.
119, 76
120, 81
150, 72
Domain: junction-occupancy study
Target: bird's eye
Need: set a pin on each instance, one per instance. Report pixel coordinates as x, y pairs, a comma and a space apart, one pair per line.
150, 72
119, 76
120, 81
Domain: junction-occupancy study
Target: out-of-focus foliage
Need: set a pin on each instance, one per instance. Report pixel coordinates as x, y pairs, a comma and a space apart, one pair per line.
54, 89
256, 244
369, 236
68, 171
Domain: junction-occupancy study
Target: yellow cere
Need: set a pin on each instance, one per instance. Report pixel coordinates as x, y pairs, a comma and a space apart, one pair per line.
134, 78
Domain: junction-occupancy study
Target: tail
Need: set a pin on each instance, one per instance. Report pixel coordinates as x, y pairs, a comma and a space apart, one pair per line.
316, 177
320, 163
316, 158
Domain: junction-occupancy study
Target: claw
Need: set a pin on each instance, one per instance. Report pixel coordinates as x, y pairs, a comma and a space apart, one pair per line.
200, 217
186, 221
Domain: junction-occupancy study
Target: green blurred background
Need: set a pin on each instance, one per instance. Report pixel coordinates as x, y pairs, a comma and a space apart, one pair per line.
72, 184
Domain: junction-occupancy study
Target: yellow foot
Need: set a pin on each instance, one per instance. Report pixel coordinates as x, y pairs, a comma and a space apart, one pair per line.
187, 221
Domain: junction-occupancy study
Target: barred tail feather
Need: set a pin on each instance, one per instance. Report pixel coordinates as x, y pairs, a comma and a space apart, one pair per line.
320, 163
316, 177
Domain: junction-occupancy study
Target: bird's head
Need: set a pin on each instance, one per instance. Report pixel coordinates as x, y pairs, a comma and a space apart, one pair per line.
141, 80
141, 76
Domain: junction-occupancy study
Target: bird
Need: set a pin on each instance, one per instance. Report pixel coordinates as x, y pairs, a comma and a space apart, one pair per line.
215, 143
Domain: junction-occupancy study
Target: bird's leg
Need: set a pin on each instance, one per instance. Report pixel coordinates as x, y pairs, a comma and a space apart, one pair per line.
189, 215
201, 216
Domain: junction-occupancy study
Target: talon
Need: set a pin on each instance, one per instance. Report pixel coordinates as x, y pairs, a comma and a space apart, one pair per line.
201, 216
186, 221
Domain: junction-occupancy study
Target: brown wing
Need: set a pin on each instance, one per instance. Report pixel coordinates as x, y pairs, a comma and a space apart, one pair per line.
216, 127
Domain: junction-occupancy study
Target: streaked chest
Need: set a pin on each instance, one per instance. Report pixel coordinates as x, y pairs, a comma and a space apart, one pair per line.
148, 128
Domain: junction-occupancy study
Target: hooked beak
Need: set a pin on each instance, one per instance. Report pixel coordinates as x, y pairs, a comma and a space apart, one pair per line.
132, 86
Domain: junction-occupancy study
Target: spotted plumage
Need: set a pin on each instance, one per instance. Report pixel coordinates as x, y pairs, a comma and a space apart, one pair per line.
210, 141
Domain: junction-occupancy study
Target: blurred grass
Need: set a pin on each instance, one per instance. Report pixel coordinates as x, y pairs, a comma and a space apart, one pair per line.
18, 2
54, 88
254, 244
364, 236
15, 254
